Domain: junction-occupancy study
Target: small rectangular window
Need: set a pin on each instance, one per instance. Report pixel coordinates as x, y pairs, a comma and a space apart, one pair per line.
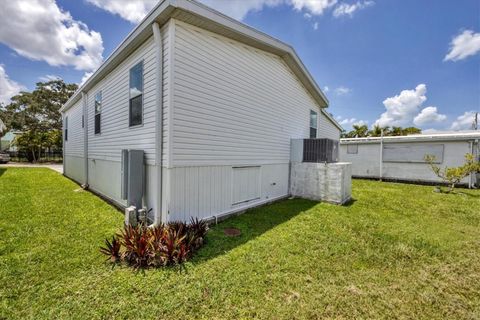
83, 121
352, 148
313, 124
98, 112
66, 128
136, 95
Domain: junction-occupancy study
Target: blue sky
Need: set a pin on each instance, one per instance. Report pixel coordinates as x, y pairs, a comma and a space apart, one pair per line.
389, 62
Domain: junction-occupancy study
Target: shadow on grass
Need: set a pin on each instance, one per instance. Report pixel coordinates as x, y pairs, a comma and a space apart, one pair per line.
2, 171
349, 202
252, 224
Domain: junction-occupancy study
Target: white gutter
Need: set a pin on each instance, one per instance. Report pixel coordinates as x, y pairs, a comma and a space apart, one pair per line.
85, 136
157, 37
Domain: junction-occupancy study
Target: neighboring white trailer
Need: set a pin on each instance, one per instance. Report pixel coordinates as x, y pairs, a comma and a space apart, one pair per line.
403, 157
211, 102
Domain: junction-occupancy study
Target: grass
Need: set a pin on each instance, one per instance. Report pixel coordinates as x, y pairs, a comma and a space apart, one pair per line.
398, 251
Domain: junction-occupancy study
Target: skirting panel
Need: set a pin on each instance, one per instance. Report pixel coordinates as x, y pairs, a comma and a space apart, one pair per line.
208, 191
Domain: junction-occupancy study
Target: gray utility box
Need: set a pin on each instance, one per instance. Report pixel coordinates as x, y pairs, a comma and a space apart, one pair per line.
314, 150
133, 177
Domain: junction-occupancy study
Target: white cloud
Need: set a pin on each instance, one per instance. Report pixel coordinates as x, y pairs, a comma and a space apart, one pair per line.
8, 87
400, 109
349, 122
430, 131
316, 7
326, 89
345, 9
40, 30
428, 115
464, 45
85, 77
133, 11
360, 123
340, 91
49, 77
464, 122
315, 26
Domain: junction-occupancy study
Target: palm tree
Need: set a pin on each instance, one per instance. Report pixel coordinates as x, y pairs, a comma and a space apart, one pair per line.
396, 131
411, 130
358, 131
377, 131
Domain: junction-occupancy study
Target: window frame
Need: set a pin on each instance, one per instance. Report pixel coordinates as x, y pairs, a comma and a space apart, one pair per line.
354, 151
97, 112
130, 125
313, 112
66, 129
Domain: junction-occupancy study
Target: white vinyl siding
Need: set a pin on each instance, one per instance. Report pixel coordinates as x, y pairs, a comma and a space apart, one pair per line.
233, 104
326, 129
74, 144
116, 134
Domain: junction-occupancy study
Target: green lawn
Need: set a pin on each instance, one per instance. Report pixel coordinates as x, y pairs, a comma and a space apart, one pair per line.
398, 251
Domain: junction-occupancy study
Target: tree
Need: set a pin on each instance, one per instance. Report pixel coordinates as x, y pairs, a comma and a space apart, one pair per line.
396, 131
454, 175
37, 115
358, 131
377, 131
411, 130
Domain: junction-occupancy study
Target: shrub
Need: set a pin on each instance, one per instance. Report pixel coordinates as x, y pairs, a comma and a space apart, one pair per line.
157, 246
453, 175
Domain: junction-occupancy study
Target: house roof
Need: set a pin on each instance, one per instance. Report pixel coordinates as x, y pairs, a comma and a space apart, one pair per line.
332, 119
197, 14
440, 136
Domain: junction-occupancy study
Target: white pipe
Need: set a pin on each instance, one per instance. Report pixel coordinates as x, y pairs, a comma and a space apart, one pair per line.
381, 155
472, 174
85, 135
157, 36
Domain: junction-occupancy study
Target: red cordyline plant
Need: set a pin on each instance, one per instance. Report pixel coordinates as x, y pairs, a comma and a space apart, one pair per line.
162, 245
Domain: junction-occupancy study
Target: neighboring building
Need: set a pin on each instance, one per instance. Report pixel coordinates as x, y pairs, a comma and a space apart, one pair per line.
212, 102
6, 142
403, 157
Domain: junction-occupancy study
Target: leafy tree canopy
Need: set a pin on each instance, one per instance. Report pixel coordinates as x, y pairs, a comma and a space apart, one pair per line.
361, 131
37, 115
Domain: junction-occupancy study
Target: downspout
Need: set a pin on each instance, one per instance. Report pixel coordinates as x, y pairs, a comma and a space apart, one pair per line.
157, 36
85, 137
64, 145
472, 174
381, 155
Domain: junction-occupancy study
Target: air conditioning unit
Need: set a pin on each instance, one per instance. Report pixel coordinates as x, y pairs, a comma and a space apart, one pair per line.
314, 150
132, 183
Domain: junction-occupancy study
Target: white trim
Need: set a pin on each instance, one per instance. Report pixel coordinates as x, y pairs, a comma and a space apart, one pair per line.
171, 90
332, 120
157, 35
85, 134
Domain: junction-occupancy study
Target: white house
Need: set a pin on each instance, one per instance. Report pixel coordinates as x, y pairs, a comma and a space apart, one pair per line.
403, 157
213, 103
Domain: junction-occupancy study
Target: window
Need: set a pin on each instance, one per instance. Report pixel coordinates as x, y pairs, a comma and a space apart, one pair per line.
66, 128
83, 121
313, 124
352, 148
98, 112
136, 95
